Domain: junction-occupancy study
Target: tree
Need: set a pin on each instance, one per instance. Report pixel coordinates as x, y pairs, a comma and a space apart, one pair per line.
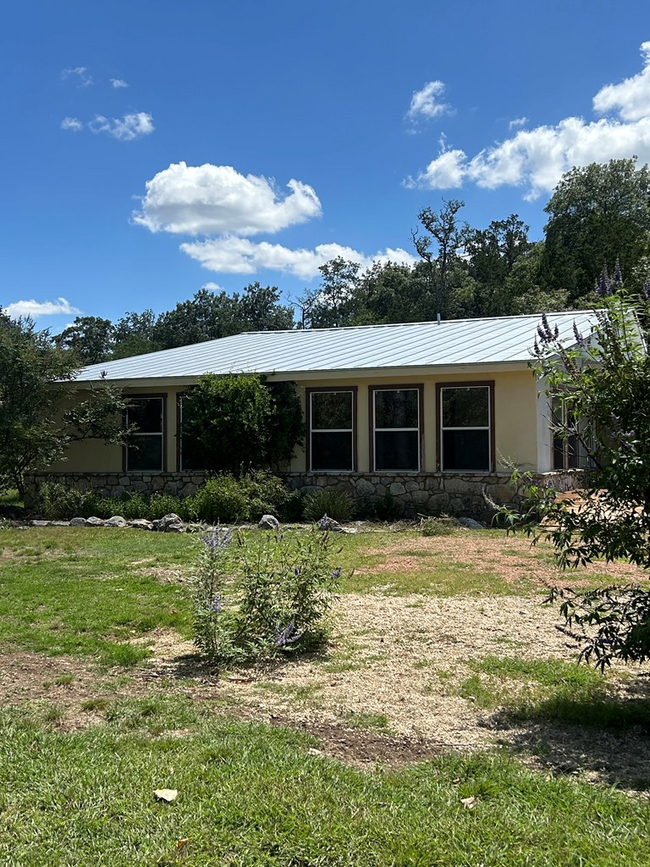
440, 246
238, 422
332, 304
134, 334
90, 338
599, 390
491, 255
597, 214
39, 413
259, 309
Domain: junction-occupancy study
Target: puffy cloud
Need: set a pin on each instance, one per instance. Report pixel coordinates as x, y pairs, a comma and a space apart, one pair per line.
536, 159
427, 103
630, 98
34, 309
126, 128
234, 255
118, 83
72, 123
79, 74
209, 199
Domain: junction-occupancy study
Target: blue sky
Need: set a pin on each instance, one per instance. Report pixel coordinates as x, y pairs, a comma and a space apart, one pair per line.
151, 147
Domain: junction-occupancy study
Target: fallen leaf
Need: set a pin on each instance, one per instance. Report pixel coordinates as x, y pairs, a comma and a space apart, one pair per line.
167, 795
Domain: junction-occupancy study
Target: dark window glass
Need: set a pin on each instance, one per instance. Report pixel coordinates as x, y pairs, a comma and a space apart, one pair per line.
397, 429
466, 407
331, 451
146, 413
145, 453
466, 450
397, 450
331, 410
146, 450
396, 409
331, 435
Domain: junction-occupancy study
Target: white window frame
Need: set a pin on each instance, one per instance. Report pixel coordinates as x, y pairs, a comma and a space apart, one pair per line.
352, 392
137, 398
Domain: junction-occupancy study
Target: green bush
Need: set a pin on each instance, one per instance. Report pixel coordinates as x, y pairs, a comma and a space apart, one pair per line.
443, 525
388, 508
245, 498
331, 502
57, 502
263, 597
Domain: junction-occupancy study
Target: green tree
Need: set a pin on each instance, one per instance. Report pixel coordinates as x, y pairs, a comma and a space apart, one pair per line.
597, 215
491, 255
90, 338
135, 334
238, 422
40, 413
439, 248
599, 390
332, 305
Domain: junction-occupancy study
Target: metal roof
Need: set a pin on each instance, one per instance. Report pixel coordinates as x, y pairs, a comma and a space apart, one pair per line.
398, 347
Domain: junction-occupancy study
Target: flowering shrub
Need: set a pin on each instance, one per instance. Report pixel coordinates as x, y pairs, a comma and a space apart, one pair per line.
259, 596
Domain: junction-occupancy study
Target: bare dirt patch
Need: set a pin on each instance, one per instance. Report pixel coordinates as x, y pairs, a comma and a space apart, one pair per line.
489, 554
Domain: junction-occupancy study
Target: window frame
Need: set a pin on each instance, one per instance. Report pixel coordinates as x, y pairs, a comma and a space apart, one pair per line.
162, 397
349, 389
372, 390
491, 427
179, 436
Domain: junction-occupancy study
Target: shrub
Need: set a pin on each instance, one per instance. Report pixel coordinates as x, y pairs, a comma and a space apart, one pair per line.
331, 502
245, 498
57, 502
443, 525
263, 597
388, 508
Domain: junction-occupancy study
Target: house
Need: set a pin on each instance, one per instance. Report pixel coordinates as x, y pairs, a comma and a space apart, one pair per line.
433, 413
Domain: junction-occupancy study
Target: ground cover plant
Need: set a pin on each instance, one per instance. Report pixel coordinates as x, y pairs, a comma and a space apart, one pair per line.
440, 724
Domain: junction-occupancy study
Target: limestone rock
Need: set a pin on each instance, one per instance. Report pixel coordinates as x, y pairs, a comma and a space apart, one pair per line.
269, 522
94, 522
115, 521
78, 522
140, 524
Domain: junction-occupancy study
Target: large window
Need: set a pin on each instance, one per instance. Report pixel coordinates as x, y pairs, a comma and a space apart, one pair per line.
466, 437
396, 428
331, 422
146, 449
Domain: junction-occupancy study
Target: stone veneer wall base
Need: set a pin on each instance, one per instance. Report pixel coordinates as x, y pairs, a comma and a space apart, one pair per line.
417, 493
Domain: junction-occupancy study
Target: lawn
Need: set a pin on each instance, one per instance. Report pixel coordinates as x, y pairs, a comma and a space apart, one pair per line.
445, 723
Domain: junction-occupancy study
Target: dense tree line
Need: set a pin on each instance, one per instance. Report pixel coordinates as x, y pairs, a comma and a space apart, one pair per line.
599, 219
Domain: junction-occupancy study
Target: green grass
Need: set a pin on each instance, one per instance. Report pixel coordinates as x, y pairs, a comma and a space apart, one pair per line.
551, 690
252, 795
80, 591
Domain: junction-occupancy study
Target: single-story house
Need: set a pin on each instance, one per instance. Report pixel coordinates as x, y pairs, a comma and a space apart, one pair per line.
434, 413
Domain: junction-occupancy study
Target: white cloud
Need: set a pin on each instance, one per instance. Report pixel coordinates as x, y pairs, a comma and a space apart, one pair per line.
427, 103
126, 128
233, 255
631, 98
535, 159
80, 73
118, 83
212, 287
516, 122
34, 309
209, 199
72, 123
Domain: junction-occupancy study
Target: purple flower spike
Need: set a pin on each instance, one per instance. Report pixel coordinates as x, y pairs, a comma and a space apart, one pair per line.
576, 333
647, 291
287, 636
604, 287
618, 275
217, 604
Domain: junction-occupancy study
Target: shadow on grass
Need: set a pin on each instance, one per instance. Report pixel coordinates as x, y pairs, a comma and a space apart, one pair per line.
604, 736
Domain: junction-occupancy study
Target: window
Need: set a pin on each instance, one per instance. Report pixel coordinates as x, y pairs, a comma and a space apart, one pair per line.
189, 451
466, 440
571, 440
146, 450
331, 429
396, 428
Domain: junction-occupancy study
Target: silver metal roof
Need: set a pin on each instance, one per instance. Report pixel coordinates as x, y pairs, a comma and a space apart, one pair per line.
497, 340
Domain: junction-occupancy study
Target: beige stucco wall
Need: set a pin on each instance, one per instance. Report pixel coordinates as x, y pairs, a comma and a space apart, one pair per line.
515, 417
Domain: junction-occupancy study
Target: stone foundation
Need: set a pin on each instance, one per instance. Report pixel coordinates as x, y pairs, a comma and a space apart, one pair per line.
416, 493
